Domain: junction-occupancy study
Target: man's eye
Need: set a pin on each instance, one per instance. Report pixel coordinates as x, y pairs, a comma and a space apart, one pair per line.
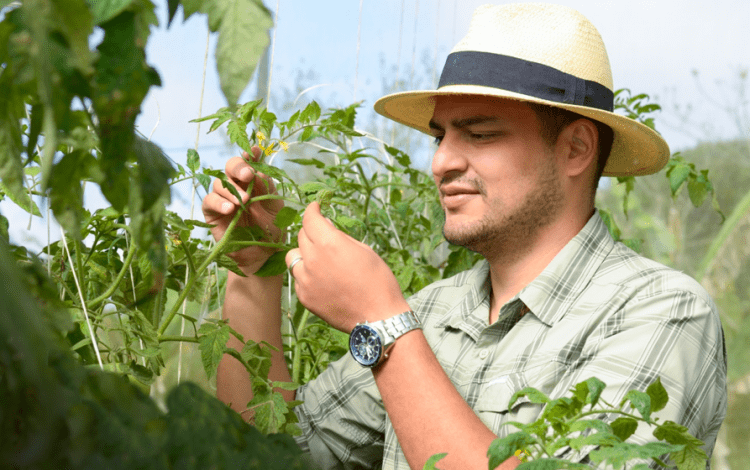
438, 139
482, 136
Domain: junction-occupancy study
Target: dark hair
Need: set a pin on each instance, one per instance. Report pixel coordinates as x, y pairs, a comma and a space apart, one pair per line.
553, 120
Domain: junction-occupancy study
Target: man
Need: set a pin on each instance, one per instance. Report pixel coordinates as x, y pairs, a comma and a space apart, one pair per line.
524, 125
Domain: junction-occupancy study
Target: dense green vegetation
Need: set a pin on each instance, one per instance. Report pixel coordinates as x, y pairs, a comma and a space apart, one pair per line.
90, 324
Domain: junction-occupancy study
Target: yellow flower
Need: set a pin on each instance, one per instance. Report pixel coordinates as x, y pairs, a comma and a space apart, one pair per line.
284, 145
523, 455
269, 150
259, 135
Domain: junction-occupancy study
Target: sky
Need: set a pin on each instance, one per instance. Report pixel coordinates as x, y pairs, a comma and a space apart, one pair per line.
346, 54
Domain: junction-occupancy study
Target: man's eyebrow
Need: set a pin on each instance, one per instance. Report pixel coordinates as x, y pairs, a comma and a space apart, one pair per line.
465, 122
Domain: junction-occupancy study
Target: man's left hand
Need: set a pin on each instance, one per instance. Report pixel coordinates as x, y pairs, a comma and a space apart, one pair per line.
340, 279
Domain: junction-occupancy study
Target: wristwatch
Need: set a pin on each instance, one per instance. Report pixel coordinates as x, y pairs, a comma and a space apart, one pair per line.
369, 342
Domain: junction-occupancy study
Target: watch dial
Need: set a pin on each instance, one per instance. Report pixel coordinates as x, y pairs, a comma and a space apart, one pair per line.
365, 345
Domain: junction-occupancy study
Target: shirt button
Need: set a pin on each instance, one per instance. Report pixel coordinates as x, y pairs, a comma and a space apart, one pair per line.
483, 354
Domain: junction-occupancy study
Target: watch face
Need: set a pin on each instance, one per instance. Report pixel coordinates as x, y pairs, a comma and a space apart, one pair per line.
365, 345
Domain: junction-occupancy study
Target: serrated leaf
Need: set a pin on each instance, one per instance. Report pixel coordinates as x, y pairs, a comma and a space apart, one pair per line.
269, 412
697, 190
311, 113
286, 386
243, 36
307, 134
596, 439
658, 394
274, 266
503, 448
212, 342
105, 10
619, 455
285, 217
193, 160
534, 396
624, 427
678, 175
691, 456
595, 389
204, 180
641, 402
238, 135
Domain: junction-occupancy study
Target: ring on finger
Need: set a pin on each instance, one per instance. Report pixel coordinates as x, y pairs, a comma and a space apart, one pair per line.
291, 265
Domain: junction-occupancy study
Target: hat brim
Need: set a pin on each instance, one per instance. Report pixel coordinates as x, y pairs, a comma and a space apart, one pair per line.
636, 149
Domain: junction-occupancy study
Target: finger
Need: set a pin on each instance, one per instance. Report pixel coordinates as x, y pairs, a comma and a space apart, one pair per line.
293, 260
215, 206
317, 228
239, 171
305, 245
225, 193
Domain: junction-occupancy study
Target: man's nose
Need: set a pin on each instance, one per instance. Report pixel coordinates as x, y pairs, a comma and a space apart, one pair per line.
449, 157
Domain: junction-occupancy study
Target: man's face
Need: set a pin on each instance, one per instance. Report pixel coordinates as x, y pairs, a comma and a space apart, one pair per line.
497, 178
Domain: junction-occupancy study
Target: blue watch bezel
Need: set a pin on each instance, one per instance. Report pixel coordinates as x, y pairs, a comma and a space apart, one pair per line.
354, 343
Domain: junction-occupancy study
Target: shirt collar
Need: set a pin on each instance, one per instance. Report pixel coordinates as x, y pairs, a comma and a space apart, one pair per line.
549, 296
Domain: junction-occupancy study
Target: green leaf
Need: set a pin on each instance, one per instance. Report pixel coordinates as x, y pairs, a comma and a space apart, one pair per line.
641, 402
243, 36
502, 449
677, 175
534, 396
432, 461
624, 427
25, 202
311, 113
697, 190
658, 394
274, 266
269, 412
212, 340
617, 456
599, 439
105, 10
550, 464
308, 161
691, 456
238, 135
286, 217
193, 160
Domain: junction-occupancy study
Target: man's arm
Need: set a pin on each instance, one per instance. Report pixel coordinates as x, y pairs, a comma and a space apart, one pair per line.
252, 304
345, 282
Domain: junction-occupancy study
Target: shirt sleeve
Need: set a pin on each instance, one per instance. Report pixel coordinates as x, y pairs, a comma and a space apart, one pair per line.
342, 417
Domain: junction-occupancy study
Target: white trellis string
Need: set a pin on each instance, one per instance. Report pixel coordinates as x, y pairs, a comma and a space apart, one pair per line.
83, 302
455, 15
273, 47
398, 64
158, 119
414, 45
192, 204
359, 39
437, 39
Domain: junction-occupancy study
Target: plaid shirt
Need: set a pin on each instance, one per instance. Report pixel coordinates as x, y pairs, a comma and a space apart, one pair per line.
598, 309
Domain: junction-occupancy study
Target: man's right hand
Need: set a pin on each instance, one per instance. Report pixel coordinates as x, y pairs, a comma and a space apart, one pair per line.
220, 207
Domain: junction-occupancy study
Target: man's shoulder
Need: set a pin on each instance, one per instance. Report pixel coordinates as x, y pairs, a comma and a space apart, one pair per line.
624, 267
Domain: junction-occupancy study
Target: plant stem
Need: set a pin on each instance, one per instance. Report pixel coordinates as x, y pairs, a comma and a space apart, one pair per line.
188, 339
209, 259
125, 266
297, 356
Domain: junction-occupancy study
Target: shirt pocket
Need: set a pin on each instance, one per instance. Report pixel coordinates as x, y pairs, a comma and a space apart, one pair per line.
493, 405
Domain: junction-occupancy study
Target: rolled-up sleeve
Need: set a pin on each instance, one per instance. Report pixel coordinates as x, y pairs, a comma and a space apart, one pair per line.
342, 418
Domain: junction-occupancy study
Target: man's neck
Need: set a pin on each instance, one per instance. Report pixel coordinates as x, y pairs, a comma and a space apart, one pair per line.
513, 268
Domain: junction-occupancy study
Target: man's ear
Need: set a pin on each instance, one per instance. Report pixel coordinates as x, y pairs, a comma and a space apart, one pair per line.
580, 140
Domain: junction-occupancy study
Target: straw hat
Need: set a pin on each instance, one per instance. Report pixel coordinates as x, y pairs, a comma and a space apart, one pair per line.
540, 53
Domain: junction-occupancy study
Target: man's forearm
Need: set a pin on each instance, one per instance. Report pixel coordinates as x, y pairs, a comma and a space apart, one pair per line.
427, 412
252, 305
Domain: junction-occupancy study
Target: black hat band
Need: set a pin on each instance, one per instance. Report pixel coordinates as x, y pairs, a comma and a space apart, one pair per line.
524, 77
